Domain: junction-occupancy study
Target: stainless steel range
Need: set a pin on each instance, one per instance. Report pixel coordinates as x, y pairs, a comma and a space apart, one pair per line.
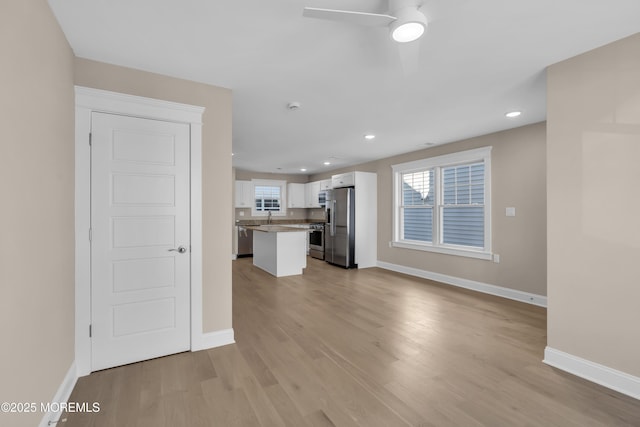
316, 240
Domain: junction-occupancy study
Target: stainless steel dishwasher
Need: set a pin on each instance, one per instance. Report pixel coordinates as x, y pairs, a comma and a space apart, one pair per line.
245, 241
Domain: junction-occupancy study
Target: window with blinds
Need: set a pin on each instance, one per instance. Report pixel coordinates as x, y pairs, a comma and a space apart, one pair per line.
268, 198
442, 204
463, 205
417, 206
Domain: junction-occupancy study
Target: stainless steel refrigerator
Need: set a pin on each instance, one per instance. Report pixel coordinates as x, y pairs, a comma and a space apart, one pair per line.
339, 231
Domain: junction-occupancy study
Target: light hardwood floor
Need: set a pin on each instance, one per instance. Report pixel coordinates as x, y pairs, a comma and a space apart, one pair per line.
357, 348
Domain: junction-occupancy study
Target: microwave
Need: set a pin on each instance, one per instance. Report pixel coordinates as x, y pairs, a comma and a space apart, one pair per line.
322, 198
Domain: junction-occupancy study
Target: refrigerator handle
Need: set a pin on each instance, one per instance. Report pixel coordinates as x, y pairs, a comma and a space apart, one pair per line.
333, 218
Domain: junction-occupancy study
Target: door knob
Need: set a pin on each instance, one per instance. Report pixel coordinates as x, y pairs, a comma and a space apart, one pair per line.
180, 249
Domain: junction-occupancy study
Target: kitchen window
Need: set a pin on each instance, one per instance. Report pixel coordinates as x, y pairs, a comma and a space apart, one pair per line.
269, 196
442, 204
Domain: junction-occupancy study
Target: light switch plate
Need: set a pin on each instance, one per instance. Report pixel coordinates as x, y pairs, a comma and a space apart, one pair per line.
510, 211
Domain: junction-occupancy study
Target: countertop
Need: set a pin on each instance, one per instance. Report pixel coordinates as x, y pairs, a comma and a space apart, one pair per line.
273, 228
283, 222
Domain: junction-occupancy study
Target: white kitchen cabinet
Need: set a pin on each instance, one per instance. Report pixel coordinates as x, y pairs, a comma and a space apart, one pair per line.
366, 218
305, 227
347, 179
244, 194
281, 253
312, 189
295, 195
325, 184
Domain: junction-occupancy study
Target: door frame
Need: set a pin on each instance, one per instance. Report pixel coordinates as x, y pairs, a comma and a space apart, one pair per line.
87, 101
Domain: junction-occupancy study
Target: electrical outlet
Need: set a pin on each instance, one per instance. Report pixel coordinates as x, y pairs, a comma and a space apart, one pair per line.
496, 258
510, 211
241, 213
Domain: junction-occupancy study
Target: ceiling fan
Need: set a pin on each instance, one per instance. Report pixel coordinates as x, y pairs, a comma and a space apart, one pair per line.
406, 23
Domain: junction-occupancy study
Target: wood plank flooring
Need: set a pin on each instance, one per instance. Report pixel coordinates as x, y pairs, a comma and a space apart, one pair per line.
366, 347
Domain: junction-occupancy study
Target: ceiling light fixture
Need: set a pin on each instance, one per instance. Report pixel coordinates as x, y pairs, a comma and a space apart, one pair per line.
409, 25
405, 22
303, 169
369, 136
327, 163
513, 114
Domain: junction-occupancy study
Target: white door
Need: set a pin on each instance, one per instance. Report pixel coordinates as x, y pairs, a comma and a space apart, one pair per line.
140, 282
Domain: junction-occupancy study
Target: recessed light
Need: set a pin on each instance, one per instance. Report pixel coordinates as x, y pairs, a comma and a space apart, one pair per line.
512, 114
369, 136
327, 163
303, 169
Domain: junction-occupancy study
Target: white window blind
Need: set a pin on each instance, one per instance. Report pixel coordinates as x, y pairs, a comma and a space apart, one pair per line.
463, 205
268, 198
417, 206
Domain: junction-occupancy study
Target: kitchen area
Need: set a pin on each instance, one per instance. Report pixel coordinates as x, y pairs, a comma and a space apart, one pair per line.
335, 219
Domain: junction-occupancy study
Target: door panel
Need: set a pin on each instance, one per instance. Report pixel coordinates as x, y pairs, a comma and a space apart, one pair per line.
143, 231
139, 211
340, 249
152, 190
341, 207
328, 243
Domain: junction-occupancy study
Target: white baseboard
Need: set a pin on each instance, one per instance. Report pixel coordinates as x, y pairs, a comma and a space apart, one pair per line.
486, 288
594, 372
214, 339
62, 395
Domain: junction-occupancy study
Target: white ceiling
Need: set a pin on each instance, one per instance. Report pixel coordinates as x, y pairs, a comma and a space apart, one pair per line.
477, 60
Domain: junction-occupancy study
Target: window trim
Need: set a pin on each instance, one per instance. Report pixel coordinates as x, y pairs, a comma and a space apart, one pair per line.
270, 183
482, 154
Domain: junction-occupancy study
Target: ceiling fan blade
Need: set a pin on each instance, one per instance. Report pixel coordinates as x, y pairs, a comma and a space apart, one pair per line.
360, 18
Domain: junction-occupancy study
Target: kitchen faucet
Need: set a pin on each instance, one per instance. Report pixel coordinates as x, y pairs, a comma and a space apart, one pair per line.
269, 218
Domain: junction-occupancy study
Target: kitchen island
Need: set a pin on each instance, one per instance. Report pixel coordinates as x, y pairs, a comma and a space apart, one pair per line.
279, 250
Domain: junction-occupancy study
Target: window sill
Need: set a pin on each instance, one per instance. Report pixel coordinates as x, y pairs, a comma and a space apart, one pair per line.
444, 250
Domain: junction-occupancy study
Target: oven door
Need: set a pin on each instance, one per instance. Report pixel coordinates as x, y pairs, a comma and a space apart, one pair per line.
316, 243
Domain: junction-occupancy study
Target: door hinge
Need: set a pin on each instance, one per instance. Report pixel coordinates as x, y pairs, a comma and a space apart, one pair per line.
90, 234
90, 331
89, 138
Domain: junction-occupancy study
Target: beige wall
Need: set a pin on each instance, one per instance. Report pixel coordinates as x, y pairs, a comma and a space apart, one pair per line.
593, 150
518, 180
36, 219
216, 168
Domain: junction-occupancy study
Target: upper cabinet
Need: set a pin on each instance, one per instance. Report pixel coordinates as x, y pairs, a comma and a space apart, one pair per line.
347, 179
325, 184
312, 191
296, 195
244, 194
